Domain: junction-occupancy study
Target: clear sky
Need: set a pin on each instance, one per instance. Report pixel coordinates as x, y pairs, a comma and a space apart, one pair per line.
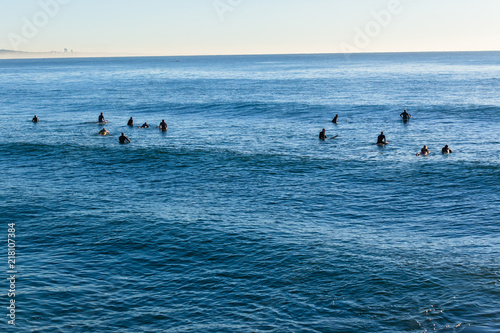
187, 27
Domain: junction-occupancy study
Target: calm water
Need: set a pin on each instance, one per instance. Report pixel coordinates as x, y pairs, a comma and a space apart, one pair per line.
239, 219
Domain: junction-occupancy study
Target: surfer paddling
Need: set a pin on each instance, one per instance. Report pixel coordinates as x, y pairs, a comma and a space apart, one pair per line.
103, 132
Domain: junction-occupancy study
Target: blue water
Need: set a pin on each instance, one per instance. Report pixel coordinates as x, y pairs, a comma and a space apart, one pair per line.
239, 219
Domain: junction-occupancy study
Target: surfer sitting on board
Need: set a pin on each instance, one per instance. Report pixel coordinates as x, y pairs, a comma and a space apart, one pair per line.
381, 139
123, 139
103, 132
424, 151
101, 118
130, 122
405, 115
145, 125
335, 119
35, 119
322, 135
446, 150
163, 125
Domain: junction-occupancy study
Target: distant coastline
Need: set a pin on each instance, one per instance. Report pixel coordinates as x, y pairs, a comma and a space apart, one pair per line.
13, 54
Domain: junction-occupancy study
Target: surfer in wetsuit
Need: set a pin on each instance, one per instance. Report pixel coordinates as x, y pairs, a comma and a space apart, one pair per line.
35, 119
381, 139
163, 125
335, 119
101, 118
123, 139
103, 132
405, 115
145, 125
446, 150
322, 135
424, 151
130, 122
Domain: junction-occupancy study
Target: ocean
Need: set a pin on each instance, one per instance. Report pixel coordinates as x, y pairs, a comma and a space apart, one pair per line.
238, 218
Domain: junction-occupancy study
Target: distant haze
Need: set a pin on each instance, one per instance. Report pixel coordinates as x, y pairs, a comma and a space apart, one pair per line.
206, 27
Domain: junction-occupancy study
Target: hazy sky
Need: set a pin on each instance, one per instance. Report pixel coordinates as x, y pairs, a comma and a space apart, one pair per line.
185, 27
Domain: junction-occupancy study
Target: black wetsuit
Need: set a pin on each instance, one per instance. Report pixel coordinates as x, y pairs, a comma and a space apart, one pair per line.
163, 126
130, 122
123, 139
381, 139
322, 136
35, 120
405, 115
101, 118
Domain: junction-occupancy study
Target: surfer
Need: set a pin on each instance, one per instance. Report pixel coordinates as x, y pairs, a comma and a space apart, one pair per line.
335, 119
130, 122
424, 151
446, 150
322, 135
103, 132
381, 139
405, 115
145, 125
35, 119
123, 139
101, 118
163, 125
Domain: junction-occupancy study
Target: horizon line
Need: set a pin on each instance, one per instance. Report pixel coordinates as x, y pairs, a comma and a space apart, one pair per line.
14, 54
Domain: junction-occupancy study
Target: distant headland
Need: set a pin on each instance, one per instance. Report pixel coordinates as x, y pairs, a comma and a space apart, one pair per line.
12, 54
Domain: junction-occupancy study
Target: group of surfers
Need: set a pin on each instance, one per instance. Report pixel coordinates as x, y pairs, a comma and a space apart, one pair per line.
381, 140
123, 139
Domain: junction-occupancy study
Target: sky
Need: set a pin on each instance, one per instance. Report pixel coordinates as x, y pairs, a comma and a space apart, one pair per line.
216, 27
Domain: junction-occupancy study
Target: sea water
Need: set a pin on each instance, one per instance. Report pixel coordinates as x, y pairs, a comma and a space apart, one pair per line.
238, 219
